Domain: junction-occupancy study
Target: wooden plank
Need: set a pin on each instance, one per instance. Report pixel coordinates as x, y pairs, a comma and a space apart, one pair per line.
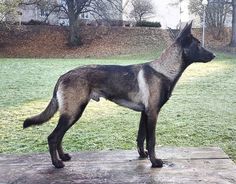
182, 165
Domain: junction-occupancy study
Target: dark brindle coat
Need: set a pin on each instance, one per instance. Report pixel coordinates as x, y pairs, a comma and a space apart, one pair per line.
143, 87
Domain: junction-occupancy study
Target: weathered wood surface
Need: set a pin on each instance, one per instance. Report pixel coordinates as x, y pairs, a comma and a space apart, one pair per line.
182, 165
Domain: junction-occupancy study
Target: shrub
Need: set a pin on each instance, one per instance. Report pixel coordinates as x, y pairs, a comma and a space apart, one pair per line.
35, 22
148, 24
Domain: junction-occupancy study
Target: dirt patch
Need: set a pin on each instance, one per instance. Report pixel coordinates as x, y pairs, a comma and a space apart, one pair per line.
51, 41
45, 41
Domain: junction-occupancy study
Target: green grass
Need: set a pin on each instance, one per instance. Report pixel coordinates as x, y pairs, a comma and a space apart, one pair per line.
201, 111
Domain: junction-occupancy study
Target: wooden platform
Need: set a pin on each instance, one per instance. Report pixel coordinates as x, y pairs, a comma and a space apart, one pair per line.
183, 165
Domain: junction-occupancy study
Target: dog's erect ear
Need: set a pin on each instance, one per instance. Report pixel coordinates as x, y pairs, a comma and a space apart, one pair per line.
185, 33
186, 30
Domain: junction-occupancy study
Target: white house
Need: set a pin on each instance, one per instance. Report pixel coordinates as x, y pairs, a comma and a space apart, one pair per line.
32, 12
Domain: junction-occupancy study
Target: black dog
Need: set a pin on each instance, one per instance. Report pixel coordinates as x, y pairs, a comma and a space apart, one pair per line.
143, 87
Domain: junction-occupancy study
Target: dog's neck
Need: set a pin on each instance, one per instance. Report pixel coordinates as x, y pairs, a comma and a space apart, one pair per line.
170, 63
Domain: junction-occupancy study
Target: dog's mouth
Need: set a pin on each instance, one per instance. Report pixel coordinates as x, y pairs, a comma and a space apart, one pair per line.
209, 58
213, 56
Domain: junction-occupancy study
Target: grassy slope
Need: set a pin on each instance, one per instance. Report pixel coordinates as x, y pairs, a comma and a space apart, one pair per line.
201, 111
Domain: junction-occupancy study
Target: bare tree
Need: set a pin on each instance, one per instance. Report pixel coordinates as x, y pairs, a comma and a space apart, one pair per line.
233, 39
216, 13
8, 9
99, 9
141, 9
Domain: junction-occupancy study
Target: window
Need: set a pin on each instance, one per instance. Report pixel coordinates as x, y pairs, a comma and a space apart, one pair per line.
42, 12
84, 15
63, 2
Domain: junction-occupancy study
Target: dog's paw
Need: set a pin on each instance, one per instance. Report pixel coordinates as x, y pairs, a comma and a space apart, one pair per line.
58, 164
157, 163
143, 154
65, 157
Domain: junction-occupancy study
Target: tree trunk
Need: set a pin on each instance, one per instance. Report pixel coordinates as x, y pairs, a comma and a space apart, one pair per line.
74, 37
233, 39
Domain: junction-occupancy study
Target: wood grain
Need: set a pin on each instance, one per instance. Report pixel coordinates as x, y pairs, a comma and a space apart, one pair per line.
182, 165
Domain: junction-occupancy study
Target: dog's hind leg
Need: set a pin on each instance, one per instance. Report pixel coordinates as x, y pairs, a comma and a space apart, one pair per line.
53, 139
62, 155
72, 102
142, 136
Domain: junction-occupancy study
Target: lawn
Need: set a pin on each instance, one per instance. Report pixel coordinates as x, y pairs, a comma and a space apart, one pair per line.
201, 111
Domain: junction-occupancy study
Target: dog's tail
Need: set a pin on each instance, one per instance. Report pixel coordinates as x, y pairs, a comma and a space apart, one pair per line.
44, 116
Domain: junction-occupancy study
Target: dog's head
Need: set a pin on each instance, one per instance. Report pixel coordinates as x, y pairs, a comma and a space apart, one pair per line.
192, 48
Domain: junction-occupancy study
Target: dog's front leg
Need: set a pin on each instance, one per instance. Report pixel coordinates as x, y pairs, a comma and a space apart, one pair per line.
142, 136
151, 137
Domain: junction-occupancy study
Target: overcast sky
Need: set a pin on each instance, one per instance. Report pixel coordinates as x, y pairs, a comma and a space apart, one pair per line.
168, 15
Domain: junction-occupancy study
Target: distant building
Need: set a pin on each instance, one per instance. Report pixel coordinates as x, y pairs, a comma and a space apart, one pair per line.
33, 12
